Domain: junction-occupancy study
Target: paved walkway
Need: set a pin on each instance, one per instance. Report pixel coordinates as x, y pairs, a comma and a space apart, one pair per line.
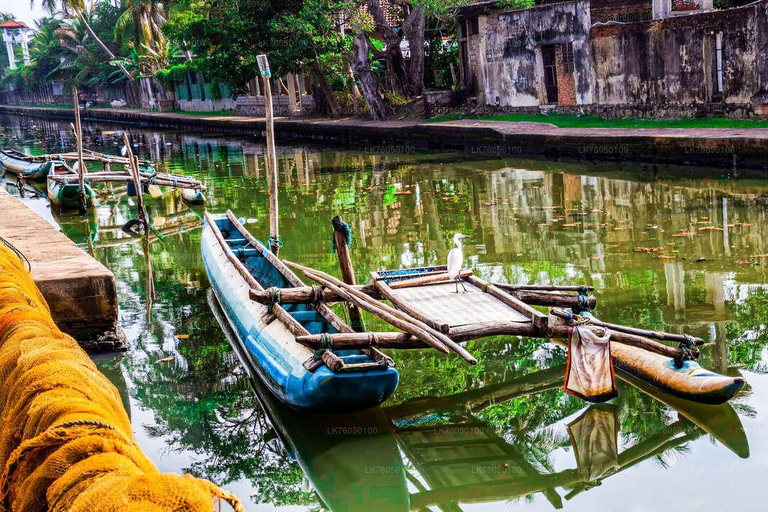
521, 128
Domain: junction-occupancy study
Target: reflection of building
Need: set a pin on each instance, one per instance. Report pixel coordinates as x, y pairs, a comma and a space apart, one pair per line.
15, 33
602, 55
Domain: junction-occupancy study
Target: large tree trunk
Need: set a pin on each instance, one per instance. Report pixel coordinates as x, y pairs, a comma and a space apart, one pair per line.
361, 66
325, 87
397, 74
413, 28
102, 45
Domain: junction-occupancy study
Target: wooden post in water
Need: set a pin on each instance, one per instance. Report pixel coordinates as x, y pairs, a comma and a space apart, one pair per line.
78, 130
133, 170
341, 243
274, 229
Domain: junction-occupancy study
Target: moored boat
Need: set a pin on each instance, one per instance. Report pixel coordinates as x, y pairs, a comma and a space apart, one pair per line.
16, 162
65, 195
301, 377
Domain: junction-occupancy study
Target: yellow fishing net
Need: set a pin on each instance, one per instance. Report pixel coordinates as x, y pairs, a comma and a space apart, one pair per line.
65, 440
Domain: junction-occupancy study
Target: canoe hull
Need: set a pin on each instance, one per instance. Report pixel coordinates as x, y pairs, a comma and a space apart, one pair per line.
691, 382
34, 171
65, 196
275, 354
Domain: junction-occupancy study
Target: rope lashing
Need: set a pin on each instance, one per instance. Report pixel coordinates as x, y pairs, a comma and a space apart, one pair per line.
274, 297
326, 344
685, 347
343, 228
583, 299
274, 241
372, 341
317, 294
17, 252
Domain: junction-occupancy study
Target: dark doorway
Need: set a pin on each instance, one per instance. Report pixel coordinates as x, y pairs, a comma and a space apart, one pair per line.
550, 73
716, 66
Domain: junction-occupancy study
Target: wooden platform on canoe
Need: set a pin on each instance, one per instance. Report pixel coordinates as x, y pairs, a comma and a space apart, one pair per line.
473, 306
80, 291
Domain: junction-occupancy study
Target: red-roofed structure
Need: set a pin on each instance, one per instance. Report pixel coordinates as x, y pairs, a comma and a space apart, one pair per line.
12, 24
15, 32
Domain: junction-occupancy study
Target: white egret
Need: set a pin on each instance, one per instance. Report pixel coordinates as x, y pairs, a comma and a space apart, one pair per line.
456, 260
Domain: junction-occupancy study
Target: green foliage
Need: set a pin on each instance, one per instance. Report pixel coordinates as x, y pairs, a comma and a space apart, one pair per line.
225, 37
516, 4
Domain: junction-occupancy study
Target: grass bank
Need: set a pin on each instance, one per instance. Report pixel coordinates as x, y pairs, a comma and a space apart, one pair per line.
574, 121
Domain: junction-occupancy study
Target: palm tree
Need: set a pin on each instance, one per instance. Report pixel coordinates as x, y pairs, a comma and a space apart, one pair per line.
143, 19
79, 9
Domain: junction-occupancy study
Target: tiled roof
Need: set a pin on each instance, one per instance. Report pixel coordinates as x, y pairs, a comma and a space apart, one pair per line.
12, 24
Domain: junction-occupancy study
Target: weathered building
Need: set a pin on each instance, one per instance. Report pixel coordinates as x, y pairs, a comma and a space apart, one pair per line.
630, 57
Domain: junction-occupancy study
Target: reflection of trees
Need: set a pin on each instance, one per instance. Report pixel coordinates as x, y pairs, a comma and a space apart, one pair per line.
749, 334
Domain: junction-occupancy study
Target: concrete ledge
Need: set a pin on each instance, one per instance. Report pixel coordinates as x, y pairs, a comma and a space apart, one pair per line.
80, 291
740, 152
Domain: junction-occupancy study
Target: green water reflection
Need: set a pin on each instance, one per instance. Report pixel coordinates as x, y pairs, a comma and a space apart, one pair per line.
675, 254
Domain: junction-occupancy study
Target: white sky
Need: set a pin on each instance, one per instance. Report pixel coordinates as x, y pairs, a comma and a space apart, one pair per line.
21, 10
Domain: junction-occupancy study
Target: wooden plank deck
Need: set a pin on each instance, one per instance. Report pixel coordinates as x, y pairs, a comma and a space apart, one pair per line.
80, 291
441, 303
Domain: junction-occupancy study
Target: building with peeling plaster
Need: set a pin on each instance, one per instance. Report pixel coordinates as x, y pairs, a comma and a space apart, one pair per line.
617, 57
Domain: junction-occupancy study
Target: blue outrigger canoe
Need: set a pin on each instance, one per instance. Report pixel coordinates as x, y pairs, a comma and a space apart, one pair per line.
236, 263
18, 163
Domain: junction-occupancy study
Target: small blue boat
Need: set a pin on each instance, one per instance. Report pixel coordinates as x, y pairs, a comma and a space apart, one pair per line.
236, 263
16, 162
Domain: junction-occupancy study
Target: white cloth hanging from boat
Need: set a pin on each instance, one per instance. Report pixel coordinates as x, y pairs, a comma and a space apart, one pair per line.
589, 374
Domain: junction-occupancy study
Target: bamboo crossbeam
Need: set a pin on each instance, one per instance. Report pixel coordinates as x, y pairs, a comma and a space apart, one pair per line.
390, 315
659, 335
465, 333
545, 287
468, 332
538, 318
552, 299
355, 340
307, 295
426, 279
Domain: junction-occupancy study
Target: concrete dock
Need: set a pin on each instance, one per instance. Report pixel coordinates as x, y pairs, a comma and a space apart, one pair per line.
80, 291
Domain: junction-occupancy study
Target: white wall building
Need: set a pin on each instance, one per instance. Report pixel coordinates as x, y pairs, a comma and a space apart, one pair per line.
14, 33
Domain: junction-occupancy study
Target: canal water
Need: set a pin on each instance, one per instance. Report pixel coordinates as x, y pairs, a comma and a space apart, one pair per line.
664, 250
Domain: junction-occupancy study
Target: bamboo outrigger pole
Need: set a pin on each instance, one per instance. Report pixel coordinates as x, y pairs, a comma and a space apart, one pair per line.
274, 230
78, 129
